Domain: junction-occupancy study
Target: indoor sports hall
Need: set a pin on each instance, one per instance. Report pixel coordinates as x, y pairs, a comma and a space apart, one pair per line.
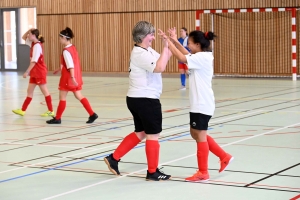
255, 85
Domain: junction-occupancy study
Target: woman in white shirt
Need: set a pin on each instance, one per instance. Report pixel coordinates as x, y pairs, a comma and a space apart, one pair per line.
202, 101
145, 87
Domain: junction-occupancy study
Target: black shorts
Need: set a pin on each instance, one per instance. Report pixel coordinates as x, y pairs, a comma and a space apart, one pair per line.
146, 114
199, 121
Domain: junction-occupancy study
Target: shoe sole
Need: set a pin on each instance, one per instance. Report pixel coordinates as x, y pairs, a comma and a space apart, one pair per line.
110, 169
47, 115
92, 121
158, 180
200, 181
231, 159
17, 113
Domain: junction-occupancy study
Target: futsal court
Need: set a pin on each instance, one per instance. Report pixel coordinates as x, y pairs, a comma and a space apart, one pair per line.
256, 120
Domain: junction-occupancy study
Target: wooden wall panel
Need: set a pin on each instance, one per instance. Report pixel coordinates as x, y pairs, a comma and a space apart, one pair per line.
17, 3
104, 6
104, 41
253, 43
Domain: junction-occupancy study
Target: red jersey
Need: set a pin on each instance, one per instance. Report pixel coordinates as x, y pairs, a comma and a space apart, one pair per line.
40, 69
66, 82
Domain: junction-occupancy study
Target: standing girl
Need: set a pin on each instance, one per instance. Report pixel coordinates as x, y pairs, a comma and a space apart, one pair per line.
38, 72
183, 69
202, 101
71, 79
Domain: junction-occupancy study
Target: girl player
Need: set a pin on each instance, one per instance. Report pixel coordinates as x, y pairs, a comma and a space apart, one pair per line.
38, 72
145, 87
202, 102
182, 66
71, 79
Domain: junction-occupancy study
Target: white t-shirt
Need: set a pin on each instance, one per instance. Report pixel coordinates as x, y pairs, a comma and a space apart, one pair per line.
143, 82
68, 58
202, 98
37, 51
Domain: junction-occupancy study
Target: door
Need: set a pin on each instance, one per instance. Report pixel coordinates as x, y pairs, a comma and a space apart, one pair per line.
8, 39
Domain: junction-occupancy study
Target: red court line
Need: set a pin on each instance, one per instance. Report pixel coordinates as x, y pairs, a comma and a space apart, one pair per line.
216, 133
283, 133
296, 197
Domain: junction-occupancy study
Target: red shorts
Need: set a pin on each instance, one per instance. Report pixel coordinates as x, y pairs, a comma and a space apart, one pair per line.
38, 81
66, 88
182, 66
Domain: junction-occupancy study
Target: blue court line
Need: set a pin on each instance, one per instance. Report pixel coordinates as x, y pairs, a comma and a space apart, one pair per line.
85, 160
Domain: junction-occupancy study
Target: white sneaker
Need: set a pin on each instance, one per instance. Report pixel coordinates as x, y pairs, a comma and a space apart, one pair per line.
182, 88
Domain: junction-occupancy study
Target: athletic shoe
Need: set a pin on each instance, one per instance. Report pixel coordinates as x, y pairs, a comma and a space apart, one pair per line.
54, 121
157, 176
182, 88
19, 112
198, 177
112, 164
225, 162
48, 114
92, 118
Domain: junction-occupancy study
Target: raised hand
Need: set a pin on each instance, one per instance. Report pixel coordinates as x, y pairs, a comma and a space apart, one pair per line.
164, 37
172, 32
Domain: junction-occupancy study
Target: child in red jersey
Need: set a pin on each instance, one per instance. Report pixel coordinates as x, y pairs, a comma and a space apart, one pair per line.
71, 78
38, 72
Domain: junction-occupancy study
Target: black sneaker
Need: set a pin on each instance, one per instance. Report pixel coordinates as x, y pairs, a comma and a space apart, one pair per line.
112, 164
92, 118
54, 121
157, 176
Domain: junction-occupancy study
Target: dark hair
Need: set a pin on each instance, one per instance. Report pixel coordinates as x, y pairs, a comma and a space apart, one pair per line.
36, 32
203, 38
185, 29
68, 33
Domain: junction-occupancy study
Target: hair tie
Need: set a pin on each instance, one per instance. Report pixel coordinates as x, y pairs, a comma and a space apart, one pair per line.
39, 37
64, 35
206, 34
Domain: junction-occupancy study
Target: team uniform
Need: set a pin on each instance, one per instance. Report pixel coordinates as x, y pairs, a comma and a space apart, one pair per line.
38, 76
184, 43
202, 107
70, 60
145, 88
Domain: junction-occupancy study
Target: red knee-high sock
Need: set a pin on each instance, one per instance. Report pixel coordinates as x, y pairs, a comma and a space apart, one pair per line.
202, 156
60, 109
215, 148
126, 145
26, 103
87, 106
49, 102
152, 152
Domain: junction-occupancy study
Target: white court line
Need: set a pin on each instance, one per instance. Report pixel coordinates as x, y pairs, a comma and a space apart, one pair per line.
119, 177
73, 155
47, 145
116, 145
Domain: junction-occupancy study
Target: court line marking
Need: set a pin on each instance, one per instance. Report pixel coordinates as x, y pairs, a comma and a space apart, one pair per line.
119, 177
95, 149
237, 116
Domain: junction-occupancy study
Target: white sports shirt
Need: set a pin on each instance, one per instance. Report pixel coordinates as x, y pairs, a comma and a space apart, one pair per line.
202, 98
37, 51
68, 58
143, 82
